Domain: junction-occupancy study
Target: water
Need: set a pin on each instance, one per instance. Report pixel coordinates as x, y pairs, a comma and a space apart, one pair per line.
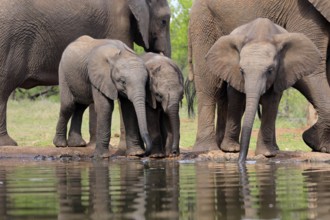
149, 189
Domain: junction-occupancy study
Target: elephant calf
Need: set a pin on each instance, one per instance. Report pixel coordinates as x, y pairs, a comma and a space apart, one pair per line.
260, 59
100, 71
165, 95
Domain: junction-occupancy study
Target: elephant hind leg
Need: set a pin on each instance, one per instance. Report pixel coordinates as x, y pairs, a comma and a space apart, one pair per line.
311, 137
5, 139
5, 90
66, 111
75, 138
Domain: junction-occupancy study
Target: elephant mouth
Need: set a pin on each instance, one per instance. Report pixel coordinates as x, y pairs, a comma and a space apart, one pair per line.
123, 94
161, 52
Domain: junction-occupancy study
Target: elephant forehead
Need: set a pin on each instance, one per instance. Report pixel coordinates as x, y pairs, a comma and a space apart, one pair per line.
131, 65
262, 54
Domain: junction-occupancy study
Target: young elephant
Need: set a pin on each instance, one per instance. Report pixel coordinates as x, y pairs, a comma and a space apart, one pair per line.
100, 71
166, 93
260, 59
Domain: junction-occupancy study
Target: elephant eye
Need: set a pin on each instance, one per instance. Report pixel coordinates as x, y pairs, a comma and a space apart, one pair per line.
122, 81
270, 70
241, 71
164, 22
159, 96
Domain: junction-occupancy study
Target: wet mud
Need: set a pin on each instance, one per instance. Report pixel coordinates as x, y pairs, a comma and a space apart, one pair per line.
85, 153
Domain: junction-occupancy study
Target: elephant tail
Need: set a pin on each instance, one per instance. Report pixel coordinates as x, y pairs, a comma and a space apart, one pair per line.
190, 60
190, 92
189, 86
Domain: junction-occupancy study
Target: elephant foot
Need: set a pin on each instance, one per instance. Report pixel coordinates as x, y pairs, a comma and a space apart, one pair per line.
60, 141
267, 151
173, 153
122, 143
136, 151
101, 152
231, 146
317, 139
92, 142
6, 140
206, 145
75, 140
311, 138
157, 155
157, 152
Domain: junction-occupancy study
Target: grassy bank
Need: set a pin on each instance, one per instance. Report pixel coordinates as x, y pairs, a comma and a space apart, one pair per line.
32, 123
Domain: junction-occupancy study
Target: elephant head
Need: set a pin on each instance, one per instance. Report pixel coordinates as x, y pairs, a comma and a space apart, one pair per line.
257, 57
153, 21
118, 70
166, 86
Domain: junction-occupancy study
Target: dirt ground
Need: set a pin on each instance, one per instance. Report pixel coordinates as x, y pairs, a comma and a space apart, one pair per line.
85, 153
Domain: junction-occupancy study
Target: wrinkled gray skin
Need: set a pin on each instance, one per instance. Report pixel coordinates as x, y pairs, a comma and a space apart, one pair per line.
211, 19
100, 71
259, 59
35, 33
165, 95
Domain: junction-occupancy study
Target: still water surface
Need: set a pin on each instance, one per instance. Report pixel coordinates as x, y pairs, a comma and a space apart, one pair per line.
143, 189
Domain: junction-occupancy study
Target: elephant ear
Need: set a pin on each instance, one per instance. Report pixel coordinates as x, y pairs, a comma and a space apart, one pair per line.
223, 60
151, 97
100, 68
323, 6
299, 57
140, 10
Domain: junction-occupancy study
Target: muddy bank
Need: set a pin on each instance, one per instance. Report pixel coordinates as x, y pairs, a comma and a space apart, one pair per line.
85, 153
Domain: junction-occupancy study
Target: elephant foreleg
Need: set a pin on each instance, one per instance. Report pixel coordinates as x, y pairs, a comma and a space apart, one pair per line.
222, 108
236, 105
133, 139
104, 108
266, 143
154, 128
92, 125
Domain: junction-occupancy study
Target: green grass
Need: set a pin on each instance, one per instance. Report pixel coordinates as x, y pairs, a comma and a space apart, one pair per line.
32, 123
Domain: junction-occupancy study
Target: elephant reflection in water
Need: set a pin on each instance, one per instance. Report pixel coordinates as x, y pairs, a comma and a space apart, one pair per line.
3, 193
69, 188
317, 184
229, 194
159, 195
71, 192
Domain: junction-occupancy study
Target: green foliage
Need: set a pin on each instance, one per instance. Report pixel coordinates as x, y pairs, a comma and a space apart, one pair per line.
293, 105
38, 92
179, 30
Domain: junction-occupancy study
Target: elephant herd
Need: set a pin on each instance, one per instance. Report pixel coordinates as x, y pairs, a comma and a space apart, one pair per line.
240, 54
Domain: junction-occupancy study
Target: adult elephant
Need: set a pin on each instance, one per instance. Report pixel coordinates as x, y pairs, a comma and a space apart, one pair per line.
35, 33
211, 19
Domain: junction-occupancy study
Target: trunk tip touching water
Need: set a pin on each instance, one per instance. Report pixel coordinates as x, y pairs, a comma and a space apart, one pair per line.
147, 140
250, 112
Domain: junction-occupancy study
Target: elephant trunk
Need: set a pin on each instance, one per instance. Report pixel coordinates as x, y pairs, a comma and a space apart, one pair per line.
251, 107
162, 44
168, 49
174, 120
140, 109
